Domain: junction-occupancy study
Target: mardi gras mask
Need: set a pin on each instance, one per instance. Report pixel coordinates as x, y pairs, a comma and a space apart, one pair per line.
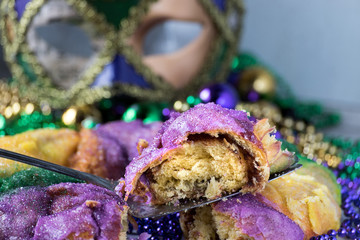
78, 51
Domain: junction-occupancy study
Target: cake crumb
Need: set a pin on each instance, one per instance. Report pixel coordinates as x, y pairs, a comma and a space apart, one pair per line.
91, 203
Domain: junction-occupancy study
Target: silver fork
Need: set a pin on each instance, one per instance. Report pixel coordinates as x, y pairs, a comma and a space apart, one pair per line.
137, 209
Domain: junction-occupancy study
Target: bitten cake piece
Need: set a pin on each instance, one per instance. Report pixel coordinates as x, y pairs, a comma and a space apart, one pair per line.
310, 197
240, 217
204, 152
296, 206
63, 211
107, 150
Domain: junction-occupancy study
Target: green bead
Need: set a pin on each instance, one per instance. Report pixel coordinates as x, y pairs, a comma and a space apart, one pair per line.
357, 165
152, 117
88, 123
349, 169
353, 175
190, 100
197, 101
235, 63
131, 113
343, 175
2, 122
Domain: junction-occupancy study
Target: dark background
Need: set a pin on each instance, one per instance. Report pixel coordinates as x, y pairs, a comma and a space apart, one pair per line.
4, 71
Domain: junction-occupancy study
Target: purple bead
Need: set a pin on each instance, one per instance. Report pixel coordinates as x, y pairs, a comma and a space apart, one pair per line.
166, 112
348, 212
332, 238
355, 216
160, 231
346, 206
346, 223
178, 236
159, 223
313, 238
351, 233
147, 229
342, 232
332, 232
253, 119
205, 95
253, 96
277, 135
320, 237
227, 96
341, 166
222, 94
349, 162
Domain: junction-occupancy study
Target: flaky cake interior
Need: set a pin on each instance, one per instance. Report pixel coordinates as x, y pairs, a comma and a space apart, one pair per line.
198, 224
226, 229
204, 166
205, 224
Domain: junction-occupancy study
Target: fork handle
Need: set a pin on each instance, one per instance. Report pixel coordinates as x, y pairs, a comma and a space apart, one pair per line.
89, 178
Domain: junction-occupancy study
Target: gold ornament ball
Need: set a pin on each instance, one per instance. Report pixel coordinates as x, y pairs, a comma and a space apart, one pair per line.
76, 114
258, 79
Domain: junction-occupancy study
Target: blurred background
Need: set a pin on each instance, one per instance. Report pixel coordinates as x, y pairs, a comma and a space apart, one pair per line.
313, 45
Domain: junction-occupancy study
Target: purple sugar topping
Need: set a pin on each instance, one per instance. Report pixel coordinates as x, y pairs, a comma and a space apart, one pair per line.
258, 220
75, 222
203, 118
119, 140
20, 210
61, 211
68, 195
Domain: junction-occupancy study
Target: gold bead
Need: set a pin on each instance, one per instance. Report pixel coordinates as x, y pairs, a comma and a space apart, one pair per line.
300, 126
46, 109
8, 112
29, 108
16, 108
69, 116
310, 129
332, 150
258, 79
177, 106
185, 107
290, 139
288, 122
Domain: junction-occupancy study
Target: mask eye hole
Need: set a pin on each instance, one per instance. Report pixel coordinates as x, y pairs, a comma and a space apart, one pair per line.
76, 42
170, 36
